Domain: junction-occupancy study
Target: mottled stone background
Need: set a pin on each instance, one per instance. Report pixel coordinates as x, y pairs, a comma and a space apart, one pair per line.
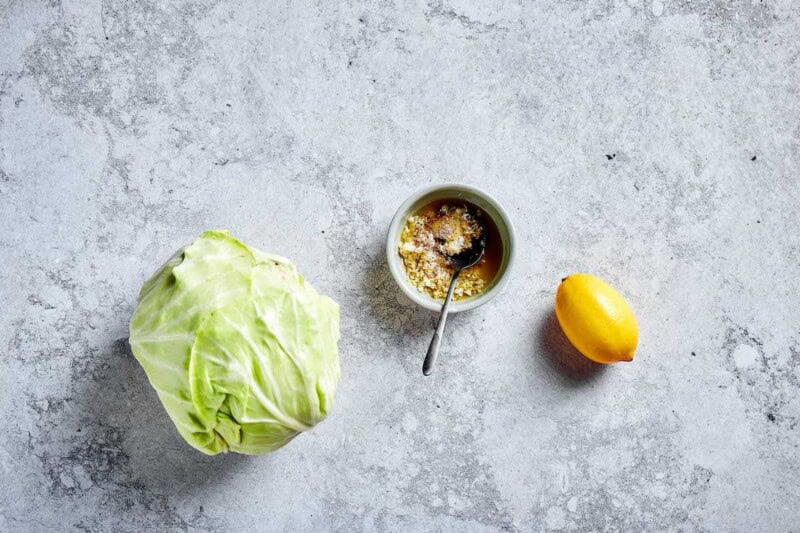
654, 143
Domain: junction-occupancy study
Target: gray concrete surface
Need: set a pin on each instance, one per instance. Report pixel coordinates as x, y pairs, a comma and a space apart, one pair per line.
654, 143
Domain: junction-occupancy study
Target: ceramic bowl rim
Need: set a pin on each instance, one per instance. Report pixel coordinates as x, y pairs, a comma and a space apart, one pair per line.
396, 266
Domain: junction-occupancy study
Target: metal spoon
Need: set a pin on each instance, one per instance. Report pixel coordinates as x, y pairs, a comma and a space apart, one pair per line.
459, 262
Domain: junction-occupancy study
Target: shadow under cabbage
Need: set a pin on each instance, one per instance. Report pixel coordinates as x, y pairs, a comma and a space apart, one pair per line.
122, 412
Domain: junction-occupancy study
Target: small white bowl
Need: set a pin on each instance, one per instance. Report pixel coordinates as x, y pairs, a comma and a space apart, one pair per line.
490, 207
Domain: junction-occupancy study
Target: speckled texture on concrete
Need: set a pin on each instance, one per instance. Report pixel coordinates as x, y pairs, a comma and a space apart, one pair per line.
652, 142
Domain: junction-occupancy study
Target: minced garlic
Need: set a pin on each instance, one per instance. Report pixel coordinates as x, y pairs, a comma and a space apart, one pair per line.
425, 242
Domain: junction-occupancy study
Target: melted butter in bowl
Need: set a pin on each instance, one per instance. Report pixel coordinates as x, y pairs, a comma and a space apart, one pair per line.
447, 227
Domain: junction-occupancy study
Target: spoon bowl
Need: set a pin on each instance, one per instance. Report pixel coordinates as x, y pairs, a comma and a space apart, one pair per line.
473, 254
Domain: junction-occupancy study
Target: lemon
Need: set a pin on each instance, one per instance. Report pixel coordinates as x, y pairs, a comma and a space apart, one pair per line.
596, 319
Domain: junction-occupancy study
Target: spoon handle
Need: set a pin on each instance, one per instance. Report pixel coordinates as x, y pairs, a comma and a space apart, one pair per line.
436, 341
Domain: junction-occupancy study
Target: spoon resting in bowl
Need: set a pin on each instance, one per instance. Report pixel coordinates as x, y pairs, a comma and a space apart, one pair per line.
461, 254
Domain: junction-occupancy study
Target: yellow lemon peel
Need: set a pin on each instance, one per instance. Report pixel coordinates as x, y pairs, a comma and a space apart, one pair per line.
596, 319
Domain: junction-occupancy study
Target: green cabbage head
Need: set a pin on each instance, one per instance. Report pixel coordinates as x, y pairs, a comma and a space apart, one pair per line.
241, 350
